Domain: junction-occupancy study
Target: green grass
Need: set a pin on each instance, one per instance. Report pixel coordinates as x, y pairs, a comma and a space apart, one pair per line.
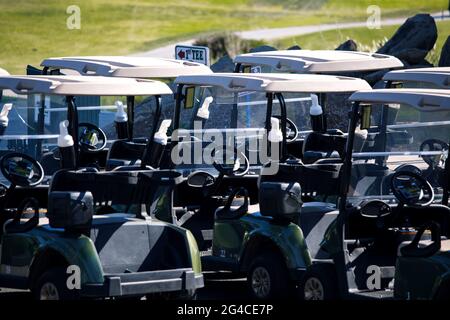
32, 30
367, 39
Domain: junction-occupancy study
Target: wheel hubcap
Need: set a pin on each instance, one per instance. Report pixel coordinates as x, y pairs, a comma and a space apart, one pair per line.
261, 282
49, 292
313, 289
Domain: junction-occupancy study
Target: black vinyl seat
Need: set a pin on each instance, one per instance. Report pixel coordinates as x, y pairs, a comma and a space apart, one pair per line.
125, 153
318, 145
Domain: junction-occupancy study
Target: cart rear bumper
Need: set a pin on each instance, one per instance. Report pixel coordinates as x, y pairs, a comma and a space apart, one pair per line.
141, 283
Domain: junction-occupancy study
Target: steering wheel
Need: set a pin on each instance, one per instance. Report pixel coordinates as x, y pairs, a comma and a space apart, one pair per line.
200, 179
238, 168
3, 190
434, 145
376, 209
291, 130
15, 226
409, 168
92, 138
21, 169
412, 189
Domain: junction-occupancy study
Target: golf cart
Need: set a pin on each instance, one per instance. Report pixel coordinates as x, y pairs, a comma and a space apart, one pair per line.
37, 125
97, 227
332, 62
226, 128
126, 148
314, 61
433, 78
389, 235
121, 66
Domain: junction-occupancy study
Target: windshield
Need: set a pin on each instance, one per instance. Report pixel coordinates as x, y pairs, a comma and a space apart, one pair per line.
224, 118
400, 138
238, 119
34, 130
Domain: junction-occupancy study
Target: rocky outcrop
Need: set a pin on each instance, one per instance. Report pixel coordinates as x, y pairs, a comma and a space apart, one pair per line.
411, 43
262, 49
413, 40
224, 64
444, 61
296, 47
348, 45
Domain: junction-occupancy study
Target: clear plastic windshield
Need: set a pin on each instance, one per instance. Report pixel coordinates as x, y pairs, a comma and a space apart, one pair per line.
400, 138
32, 124
238, 119
222, 118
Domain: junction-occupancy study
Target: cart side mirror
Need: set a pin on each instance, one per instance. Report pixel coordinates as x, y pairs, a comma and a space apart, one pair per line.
366, 112
189, 97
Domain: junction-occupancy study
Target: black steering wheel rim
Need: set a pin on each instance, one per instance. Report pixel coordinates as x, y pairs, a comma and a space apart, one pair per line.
85, 147
433, 161
226, 169
292, 127
36, 172
424, 185
15, 226
3, 190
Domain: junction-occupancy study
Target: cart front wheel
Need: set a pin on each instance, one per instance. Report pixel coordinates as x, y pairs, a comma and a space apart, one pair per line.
51, 285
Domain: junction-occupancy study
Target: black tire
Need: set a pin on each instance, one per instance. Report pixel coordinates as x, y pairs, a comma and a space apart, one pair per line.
319, 283
52, 283
268, 277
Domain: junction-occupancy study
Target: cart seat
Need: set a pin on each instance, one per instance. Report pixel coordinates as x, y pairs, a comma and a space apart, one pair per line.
318, 145
220, 214
124, 153
114, 163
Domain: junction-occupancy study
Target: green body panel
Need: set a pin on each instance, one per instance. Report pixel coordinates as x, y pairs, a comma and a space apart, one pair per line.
420, 278
332, 239
232, 237
21, 250
194, 252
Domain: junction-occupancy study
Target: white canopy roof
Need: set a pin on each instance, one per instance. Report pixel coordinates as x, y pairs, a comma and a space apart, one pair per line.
319, 61
439, 76
418, 98
277, 82
83, 86
132, 67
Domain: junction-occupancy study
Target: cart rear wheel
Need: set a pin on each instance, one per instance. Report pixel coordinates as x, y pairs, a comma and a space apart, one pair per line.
267, 278
319, 283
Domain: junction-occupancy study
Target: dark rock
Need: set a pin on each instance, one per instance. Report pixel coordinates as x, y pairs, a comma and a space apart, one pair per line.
348, 45
262, 49
424, 64
224, 64
338, 107
296, 47
373, 77
444, 61
411, 55
413, 40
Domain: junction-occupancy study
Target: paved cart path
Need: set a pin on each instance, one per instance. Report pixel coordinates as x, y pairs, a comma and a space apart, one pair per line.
167, 51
